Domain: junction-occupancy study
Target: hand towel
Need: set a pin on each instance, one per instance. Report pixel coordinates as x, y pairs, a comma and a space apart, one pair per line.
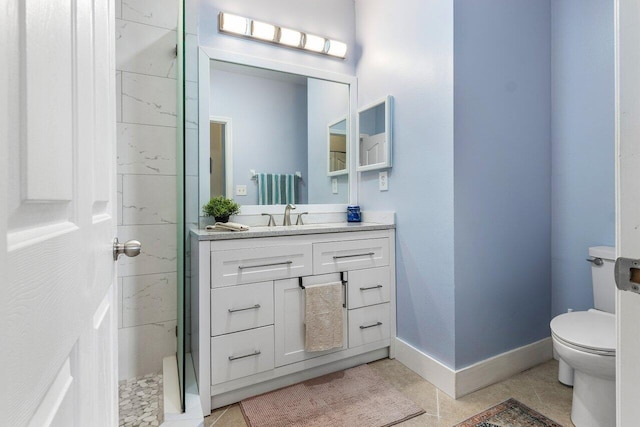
277, 189
227, 226
323, 316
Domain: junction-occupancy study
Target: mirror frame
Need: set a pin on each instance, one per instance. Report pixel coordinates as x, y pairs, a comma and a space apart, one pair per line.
329, 125
206, 54
387, 101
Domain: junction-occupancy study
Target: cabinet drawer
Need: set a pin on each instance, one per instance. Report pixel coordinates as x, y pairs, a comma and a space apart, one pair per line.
368, 287
252, 265
330, 257
241, 354
368, 324
237, 308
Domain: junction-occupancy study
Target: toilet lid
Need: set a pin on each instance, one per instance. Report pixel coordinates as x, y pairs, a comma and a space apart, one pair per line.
592, 330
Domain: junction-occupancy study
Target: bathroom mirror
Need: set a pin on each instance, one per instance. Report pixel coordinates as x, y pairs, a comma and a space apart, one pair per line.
267, 139
337, 147
375, 135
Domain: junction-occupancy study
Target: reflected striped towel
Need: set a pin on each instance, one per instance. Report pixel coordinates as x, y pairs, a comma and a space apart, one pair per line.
277, 189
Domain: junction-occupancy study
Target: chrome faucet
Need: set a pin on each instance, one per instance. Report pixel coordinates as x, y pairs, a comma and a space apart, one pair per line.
287, 214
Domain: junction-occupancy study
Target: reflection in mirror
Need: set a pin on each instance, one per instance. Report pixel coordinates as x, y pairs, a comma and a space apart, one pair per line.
337, 145
375, 136
279, 136
218, 142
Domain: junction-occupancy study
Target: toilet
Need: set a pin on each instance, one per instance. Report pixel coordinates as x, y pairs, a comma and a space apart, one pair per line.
584, 342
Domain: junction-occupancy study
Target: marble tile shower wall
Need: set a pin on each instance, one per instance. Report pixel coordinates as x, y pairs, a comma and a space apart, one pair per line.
146, 69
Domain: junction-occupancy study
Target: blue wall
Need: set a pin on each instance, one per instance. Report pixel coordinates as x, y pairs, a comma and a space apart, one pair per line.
407, 51
502, 176
269, 126
583, 145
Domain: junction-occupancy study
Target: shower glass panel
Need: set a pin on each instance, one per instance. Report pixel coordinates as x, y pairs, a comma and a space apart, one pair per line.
180, 199
188, 177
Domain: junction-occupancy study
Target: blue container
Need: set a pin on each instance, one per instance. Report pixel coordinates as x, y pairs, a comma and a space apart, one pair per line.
353, 213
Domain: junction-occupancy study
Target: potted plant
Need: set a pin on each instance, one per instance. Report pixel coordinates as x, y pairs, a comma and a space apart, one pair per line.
221, 208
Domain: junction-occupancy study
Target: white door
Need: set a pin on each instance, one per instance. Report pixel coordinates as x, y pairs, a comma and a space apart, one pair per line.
58, 320
628, 207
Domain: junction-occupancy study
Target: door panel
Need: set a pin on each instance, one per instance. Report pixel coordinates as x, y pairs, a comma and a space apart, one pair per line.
57, 221
627, 207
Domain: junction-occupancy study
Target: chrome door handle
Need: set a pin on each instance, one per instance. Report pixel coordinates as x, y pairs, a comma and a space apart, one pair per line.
130, 248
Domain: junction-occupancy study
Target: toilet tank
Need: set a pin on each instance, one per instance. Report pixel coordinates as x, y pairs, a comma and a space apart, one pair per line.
602, 277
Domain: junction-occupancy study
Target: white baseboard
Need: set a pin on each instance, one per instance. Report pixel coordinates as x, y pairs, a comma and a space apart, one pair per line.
479, 375
427, 367
502, 366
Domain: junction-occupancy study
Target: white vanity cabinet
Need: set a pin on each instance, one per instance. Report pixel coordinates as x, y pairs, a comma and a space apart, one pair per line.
248, 305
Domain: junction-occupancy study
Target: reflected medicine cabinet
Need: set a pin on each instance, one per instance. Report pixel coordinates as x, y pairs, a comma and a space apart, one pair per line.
375, 135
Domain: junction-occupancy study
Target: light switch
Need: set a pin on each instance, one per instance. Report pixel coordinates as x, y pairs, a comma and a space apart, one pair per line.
241, 190
334, 185
383, 181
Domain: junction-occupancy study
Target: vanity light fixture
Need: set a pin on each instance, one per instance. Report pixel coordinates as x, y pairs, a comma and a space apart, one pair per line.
233, 23
337, 48
249, 28
263, 31
289, 37
314, 43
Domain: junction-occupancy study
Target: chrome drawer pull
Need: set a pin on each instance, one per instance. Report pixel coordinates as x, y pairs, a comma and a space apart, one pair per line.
354, 255
371, 326
371, 287
255, 307
255, 353
242, 267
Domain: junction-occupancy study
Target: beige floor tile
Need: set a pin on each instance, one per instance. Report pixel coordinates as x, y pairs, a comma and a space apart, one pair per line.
537, 388
229, 416
409, 383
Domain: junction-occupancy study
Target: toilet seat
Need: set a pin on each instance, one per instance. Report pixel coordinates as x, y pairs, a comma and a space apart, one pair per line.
590, 331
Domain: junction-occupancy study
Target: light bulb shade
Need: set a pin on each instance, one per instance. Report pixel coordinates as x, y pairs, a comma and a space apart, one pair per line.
337, 48
290, 37
314, 43
263, 31
233, 23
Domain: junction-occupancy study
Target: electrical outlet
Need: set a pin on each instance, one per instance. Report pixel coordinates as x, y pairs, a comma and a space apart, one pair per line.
334, 185
241, 190
383, 181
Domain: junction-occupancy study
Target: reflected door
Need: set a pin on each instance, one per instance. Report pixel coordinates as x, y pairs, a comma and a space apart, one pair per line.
216, 159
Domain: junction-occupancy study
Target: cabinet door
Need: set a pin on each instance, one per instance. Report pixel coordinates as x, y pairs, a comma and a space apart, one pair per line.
289, 322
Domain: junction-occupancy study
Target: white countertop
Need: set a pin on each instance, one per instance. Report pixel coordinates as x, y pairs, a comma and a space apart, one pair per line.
290, 230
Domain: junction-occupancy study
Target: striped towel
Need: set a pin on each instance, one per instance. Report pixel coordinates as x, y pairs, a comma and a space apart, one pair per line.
277, 189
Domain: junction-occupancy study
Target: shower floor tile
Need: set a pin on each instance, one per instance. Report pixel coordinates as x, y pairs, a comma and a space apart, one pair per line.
141, 401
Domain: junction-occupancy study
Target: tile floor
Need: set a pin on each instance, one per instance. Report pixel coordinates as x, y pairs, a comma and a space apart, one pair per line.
537, 388
141, 401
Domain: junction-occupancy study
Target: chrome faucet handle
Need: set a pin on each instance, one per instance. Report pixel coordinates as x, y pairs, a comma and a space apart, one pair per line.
299, 220
287, 214
272, 222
